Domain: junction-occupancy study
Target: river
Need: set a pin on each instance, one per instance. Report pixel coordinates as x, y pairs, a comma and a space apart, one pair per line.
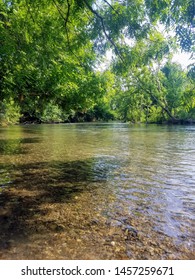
97, 191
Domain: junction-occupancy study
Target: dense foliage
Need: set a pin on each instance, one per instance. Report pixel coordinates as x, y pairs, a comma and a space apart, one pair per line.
52, 52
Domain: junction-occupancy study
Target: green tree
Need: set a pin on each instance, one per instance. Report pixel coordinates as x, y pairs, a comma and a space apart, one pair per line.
41, 60
175, 84
50, 48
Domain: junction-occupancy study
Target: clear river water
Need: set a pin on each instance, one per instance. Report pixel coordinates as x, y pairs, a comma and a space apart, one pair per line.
97, 191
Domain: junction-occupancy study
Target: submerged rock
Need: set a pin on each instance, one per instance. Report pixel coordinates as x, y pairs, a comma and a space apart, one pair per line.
130, 231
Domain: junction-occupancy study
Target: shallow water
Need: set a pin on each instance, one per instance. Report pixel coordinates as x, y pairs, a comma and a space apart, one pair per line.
73, 179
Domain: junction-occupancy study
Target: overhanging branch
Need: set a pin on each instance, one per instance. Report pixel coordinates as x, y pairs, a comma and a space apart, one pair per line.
156, 99
104, 28
111, 6
65, 18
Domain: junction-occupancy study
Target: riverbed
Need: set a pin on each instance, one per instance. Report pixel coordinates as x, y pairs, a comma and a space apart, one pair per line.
97, 191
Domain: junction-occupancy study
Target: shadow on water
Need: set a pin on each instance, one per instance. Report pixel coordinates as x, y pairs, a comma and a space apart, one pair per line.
14, 146
33, 186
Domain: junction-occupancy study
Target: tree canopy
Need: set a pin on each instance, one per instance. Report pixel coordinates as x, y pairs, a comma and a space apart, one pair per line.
51, 54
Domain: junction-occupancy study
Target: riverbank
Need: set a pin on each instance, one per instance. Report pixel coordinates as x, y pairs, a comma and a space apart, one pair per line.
38, 121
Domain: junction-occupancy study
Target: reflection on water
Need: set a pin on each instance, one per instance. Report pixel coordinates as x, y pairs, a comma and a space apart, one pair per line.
110, 170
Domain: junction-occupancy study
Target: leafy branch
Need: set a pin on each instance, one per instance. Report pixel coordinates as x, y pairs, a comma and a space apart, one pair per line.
104, 28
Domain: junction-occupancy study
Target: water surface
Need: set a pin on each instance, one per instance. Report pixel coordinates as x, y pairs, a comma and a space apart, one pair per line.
84, 183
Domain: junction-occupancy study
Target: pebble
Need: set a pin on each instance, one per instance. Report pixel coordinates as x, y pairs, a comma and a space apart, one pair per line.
117, 250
